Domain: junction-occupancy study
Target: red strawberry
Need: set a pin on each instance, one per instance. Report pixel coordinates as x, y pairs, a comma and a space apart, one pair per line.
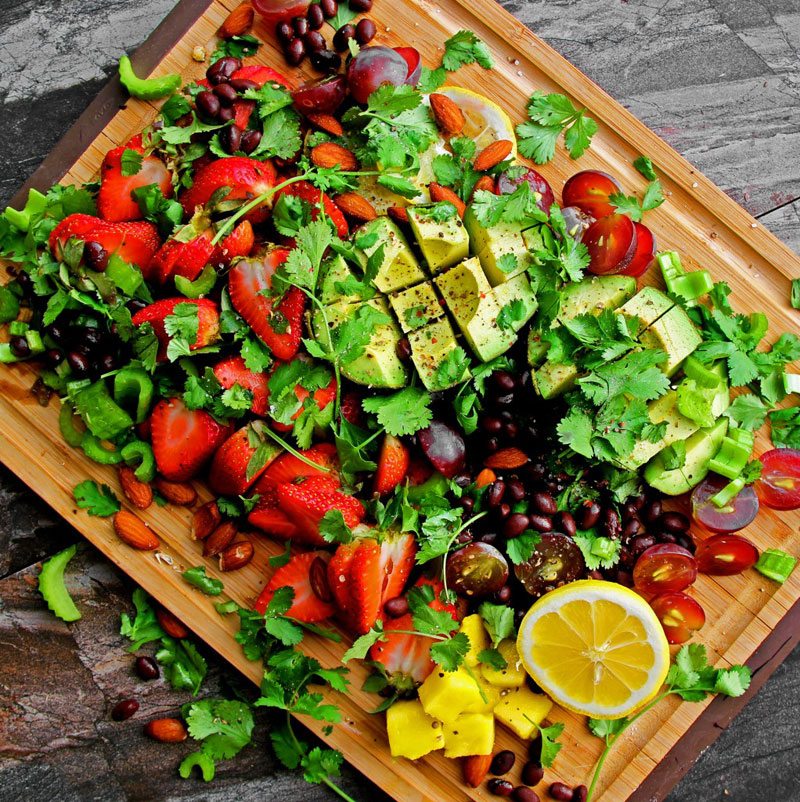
306, 574
288, 468
340, 577
311, 195
392, 465
186, 259
183, 439
155, 314
238, 243
245, 178
267, 517
397, 560
308, 502
406, 659
115, 200
364, 607
323, 396
242, 111
234, 371
228, 474
74, 225
281, 328
259, 74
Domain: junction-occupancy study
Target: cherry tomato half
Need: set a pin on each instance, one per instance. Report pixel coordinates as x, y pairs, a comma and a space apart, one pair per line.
738, 513
612, 244
664, 567
679, 614
779, 485
725, 555
589, 190
645, 252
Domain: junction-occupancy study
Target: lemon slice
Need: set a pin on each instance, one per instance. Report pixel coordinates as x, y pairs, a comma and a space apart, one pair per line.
486, 121
596, 648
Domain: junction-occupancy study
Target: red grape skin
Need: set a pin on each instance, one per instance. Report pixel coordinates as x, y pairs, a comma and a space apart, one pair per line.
589, 190
736, 515
680, 615
414, 61
779, 485
612, 244
664, 567
444, 447
375, 66
538, 183
320, 97
645, 252
725, 555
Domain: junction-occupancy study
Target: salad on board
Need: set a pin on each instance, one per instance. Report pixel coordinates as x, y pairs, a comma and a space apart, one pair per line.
356, 309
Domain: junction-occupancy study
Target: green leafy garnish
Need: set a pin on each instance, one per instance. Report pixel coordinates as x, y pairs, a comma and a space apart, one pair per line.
785, 427
549, 115
97, 500
463, 48
520, 549
198, 578
645, 166
633, 207
402, 413
131, 162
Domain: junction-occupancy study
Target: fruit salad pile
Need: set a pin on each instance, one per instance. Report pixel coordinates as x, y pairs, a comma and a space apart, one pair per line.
355, 308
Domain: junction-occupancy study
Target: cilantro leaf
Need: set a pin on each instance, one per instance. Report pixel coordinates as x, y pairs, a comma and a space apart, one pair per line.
131, 162
795, 296
97, 500
630, 205
333, 529
449, 654
645, 166
431, 80
402, 413
144, 627
184, 667
361, 646
511, 313
550, 746
463, 48
732, 681
498, 620
785, 427
748, 411
598, 552
492, 658
520, 549
280, 136
236, 46
549, 115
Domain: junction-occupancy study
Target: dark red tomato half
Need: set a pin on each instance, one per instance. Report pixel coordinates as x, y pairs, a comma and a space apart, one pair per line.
612, 244
590, 190
779, 485
725, 555
645, 252
679, 614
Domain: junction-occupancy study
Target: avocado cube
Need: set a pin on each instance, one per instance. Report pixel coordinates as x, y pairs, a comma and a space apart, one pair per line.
522, 711
412, 732
517, 289
447, 694
430, 347
513, 675
399, 267
537, 348
649, 304
675, 334
469, 734
416, 306
470, 300
442, 244
593, 295
335, 271
472, 626
491, 243
554, 378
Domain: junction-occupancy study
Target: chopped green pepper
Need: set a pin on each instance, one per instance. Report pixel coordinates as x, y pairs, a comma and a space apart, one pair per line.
103, 417
94, 449
776, 564
208, 584
125, 276
133, 390
728, 493
436, 483
66, 423
9, 305
7, 356
52, 587
604, 548
35, 205
733, 454
689, 286
202, 285
140, 454
791, 382
147, 88
34, 340
705, 377
18, 328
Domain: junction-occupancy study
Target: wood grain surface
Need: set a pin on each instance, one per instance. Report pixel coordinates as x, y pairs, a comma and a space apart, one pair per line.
712, 46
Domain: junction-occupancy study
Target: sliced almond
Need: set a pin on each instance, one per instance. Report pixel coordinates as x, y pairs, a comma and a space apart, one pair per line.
238, 22
139, 493
356, 207
205, 520
492, 155
448, 116
219, 539
485, 183
329, 154
327, 123
440, 193
132, 530
236, 556
181, 494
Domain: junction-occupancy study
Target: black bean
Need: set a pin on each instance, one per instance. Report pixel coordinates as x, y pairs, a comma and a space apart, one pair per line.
652, 511
361, 6
504, 510
55, 331
503, 762
503, 596
19, 346
54, 357
675, 522
515, 525
492, 444
208, 105
544, 503
629, 510
314, 41
561, 792
506, 416
524, 794
91, 337
300, 25
565, 523
641, 543
511, 430
532, 773
284, 32
225, 115
540, 523
625, 578
495, 493
124, 709
329, 8
226, 94
147, 668
95, 256
488, 537
639, 501
396, 607
667, 537
535, 750
241, 85
315, 17
503, 380
365, 31
250, 141
536, 471
588, 514
468, 503
516, 490
609, 523
343, 36
220, 71
78, 362
632, 528
580, 793
503, 400
595, 574
491, 425
295, 52
107, 363
686, 541
500, 787
231, 138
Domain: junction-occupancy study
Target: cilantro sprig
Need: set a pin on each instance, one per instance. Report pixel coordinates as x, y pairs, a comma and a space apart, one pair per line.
549, 116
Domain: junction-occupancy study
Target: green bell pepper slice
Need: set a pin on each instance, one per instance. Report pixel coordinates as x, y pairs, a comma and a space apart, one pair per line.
147, 88
436, 483
728, 493
202, 285
34, 206
133, 390
733, 454
66, 424
9, 305
53, 589
695, 369
687, 285
140, 454
103, 417
776, 564
94, 449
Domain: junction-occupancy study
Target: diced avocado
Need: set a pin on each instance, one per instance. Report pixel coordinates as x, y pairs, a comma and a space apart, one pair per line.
722, 400
379, 365
675, 334
700, 448
649, 304
490, 244
442, 244
470, 300
513, 675
517, 289
679, 427
400, 267
430, 346
522, 711
447, 694
593, 295
472, 626
416, 306
412, 732
554, 378
332, 272
537, 348
538, 238
469, 734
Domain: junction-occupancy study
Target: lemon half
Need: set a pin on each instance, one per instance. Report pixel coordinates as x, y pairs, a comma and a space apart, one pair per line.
595, 648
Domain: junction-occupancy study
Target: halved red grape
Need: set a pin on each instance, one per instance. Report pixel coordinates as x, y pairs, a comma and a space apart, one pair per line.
612, 243
477, 570
779, 485
577, 221
645, 252
589, 190
556, 561
725, 555
679, 614
664, 567
320, 97
735, 515
414, 61
373, 67
275, 11
506, 184
444, 447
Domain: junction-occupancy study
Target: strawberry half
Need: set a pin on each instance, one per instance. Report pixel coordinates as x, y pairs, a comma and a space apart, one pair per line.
242, 112
339, 577
156, 313
183, 439
398, 553
186, 259
246, 179
267, 517
307, 575
228, 474
259, 74
115, 200
392, 465
307, 192
234, 371
287, 468
280, 328
238, 243
406, 659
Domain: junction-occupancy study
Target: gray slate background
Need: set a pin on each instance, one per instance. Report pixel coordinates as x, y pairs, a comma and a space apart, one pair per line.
718, 79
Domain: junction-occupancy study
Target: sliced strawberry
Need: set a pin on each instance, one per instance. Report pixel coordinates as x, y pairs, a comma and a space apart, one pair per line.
392, 465
242, 112
246, 179
74, 225
267, 517
280, 328
234, 371
306, 574
352, 411
311, 195
397, 561
340, 575
307, 503
259, 74
406, 659
365, 586
288, 468
183, 439
156, 313
322, 396
229, 468
437, 604
238, 243
186, 259
115, 200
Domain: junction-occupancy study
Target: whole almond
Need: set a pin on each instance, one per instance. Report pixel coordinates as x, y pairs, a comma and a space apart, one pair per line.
475, 768
170, 624
440, 193
448, 116
236, 556
398, 213
238, 22
181, 494
492, 155
132, 530
329, 154
507, 459
205, 520
356, 206
166, 730
485, 183
139, 493
327, 123
219, 539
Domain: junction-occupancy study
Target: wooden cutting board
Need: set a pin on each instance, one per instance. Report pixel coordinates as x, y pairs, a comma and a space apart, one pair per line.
750, 619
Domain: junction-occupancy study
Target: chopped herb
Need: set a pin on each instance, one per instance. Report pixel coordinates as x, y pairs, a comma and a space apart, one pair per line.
463, 48
97, 500
549, 115
630, 205
198, 578
645, 166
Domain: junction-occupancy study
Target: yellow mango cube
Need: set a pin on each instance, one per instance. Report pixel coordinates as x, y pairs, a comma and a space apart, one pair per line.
513, 675
521, 710
447, 694
412, 732
491, 692
472, 626
469, 734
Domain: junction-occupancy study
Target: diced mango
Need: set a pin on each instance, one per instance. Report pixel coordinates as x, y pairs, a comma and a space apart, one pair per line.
447, 694
469, 734
472, 626
412, 732
513, 675
491, 692
521, 710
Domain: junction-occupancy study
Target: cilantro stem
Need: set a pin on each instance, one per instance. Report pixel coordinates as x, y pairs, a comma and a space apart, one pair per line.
337, 790
293, 451
458, 531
